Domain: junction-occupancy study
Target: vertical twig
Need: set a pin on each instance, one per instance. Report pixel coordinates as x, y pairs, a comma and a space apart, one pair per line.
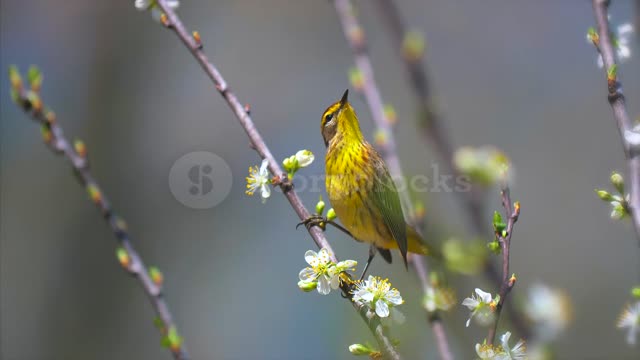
173, 22
629, 136
436, 134
637, 21
354, 34
30, 103
511, 212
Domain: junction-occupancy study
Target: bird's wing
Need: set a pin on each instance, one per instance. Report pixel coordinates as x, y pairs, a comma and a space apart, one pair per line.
386, 199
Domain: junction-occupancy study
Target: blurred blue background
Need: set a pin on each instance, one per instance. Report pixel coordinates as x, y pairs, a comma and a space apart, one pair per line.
517, 74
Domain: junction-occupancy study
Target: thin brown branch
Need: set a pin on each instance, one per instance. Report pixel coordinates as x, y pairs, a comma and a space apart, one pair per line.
436, 134
173, 22
637, 20
29, 101
354, 34
512, 212
628, 135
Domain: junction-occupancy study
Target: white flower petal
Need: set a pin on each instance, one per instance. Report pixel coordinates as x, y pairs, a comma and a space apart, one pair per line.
263, 168
484, 296
469, 320
335, 282
382, 309
504, 340
347, 264
310, 257
307, 274
304, 157
470, 303
367, 296
323, 256
393, 296
323, 285
265, 191
625, 29
142, 4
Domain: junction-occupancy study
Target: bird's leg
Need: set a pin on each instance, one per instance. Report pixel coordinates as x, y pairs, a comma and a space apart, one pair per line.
372, 253
321, 221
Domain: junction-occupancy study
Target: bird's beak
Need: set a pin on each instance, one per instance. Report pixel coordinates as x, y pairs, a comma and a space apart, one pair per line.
344, 99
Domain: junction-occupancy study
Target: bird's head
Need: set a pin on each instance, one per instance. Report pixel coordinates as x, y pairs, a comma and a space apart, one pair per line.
340, 119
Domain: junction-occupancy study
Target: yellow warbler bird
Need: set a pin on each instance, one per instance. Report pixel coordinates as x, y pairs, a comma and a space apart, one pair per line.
361, 189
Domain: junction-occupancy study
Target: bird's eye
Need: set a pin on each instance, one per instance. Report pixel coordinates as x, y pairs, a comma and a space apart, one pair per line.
328, 118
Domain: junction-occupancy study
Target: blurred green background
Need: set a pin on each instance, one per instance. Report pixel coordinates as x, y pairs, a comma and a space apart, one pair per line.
517, 74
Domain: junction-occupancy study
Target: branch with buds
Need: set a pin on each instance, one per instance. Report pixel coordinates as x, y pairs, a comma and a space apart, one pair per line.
630, 136
194, 44
364, 81
503, 233
150, 279
412, 48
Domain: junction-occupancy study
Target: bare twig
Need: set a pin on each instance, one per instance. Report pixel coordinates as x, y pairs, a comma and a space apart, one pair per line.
31, 103
355, 36
436, 134
173, 22
637, 21
630, 137
512, 212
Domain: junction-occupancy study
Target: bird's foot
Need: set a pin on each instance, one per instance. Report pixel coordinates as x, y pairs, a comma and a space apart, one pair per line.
321, 222
314, 220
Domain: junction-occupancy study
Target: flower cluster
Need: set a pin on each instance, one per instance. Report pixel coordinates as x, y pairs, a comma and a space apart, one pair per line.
503, 351
322, 273
438, 297
482, 307
619, 203
621, 40
484, 165
293, 163
549, 310
379, 297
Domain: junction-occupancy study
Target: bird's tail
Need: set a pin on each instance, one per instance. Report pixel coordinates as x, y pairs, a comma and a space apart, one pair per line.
417, 245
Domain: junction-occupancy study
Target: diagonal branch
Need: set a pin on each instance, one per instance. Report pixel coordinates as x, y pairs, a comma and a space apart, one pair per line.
512, 213
30, 103
356, 38
173, 22
436, 134
629, 136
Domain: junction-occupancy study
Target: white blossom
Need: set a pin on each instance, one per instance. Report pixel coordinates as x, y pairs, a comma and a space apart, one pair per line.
259, 179
482, 307
549, 310
630, 319
378, 295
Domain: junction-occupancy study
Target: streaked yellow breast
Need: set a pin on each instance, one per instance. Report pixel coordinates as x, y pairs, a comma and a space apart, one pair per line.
349, 185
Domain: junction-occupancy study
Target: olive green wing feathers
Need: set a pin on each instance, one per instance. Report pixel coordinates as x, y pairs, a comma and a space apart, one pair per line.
385, 198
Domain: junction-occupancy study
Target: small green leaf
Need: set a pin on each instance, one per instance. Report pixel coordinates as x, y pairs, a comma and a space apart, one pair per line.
34, 76
498, 224
495, 247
